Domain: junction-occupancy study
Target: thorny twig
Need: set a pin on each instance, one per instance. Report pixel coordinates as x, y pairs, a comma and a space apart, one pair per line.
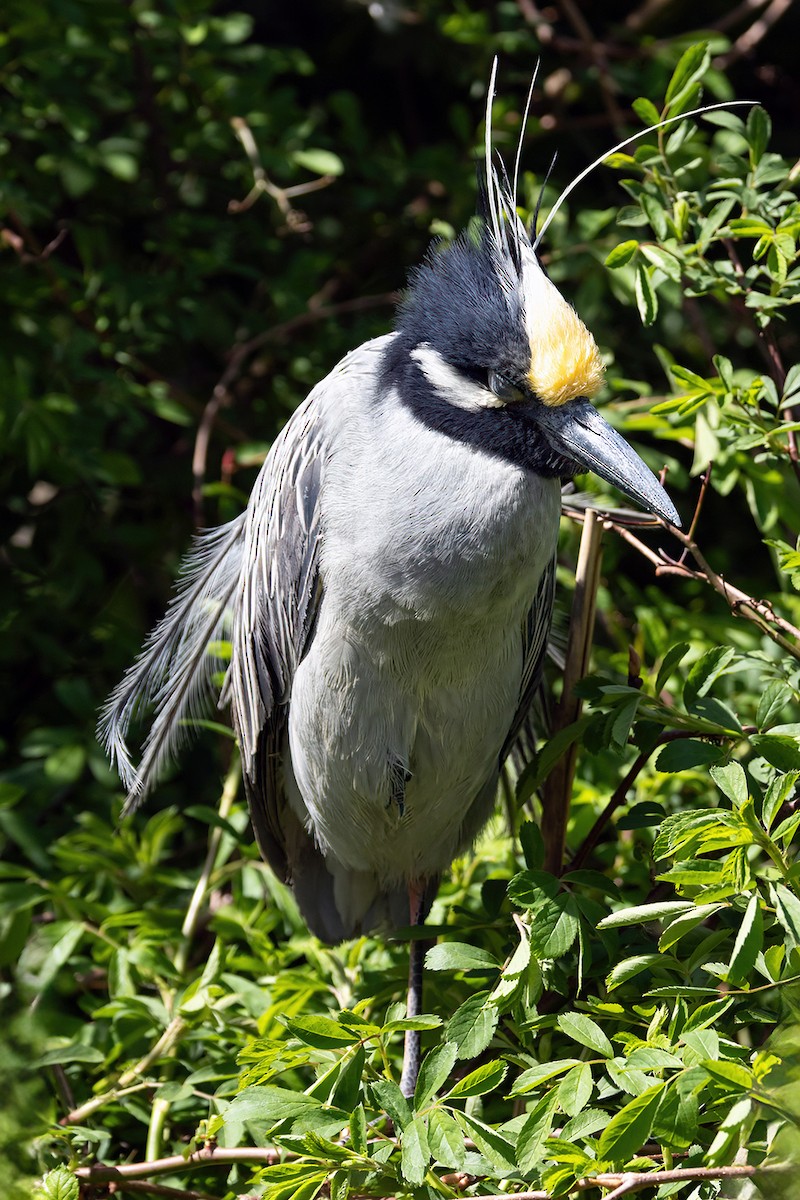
760, 612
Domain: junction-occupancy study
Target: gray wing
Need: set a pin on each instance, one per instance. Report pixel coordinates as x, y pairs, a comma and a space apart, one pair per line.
534, 650
278, 597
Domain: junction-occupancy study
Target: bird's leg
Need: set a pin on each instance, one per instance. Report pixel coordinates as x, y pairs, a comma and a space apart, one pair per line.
416, 958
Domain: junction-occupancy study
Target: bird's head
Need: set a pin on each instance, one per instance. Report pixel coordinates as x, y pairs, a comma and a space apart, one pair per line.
492, 334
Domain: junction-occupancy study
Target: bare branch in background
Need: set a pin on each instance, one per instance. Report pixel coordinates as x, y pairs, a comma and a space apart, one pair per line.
296, 221
222, 394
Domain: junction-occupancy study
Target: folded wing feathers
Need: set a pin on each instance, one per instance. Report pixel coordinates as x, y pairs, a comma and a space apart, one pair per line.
272, 621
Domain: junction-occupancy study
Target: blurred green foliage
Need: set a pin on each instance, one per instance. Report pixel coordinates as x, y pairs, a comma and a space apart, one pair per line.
161, 320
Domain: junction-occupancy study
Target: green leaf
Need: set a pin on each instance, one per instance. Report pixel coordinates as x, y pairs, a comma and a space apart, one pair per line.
692, 65
531, 889
535, 1131
759, 131
72, 1052
347, 1089
541, 1073
629, 1129
678, 1110
706, 671
480, 1081
554, 927
732, 782
685, 923
434, 1072
459, 956
585, 1124
748, 944
491, 1144
531, 844
423, 1021
663, 260
773, 700
320, 162
271, 1104
685, 754
787, 911
778, 793
59, 1184
415, 1153
358, 1130
392, 1101
587, 1032
472, 1025
545, 759
663, 910
780, 750
575, 1089
630, 967
445, 1140
730, 1073
672, 659
323, 1033
621, 254
646, 298
646, 111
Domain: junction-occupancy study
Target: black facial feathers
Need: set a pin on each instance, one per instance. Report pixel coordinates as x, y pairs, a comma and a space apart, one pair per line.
464, 301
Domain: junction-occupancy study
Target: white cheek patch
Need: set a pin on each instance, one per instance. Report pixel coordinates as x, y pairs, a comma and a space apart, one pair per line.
450, 384
565, 362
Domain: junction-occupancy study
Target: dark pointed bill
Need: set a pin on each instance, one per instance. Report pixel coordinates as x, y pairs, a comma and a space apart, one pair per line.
577, 431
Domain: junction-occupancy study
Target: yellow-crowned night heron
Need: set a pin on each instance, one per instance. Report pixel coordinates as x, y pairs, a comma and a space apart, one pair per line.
388, 590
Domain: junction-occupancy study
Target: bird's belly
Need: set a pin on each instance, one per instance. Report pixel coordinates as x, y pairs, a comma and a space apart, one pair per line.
387, 759
406, 694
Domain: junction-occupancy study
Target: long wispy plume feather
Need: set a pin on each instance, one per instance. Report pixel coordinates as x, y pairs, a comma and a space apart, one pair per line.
523, 127
491, 179
634, 137
175, 670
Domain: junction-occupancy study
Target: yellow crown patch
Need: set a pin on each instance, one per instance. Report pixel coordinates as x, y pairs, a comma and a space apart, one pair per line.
565, 362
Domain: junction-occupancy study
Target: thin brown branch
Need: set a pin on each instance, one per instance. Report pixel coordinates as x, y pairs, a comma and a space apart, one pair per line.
760, 612
618, 798
594, 51
138, 1187
747, 41
207, 1156
557, 790
635, 1181
697, 508
640, 17
296, 221
620, 794
222, 395
17, 244
129, 1080
737, 14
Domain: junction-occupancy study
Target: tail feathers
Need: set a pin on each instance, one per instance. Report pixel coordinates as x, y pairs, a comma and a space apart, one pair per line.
174, 673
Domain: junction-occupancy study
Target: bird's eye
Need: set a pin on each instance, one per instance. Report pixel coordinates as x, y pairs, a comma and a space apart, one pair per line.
504, 389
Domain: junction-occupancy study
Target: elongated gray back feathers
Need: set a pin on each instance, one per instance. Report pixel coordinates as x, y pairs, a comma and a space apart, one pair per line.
174, 673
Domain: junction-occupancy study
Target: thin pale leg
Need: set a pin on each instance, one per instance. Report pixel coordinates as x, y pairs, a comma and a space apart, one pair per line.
416, 958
